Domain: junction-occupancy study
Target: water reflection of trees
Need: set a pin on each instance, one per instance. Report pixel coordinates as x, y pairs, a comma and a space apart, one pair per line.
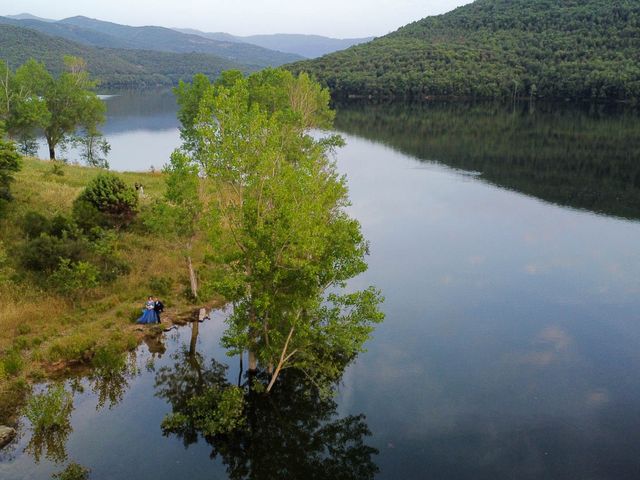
50, 411
293, 432
582, 158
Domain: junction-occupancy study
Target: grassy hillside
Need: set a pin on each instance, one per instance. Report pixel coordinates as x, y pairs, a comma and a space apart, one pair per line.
97, 33
112, 66
498, 48
40, 331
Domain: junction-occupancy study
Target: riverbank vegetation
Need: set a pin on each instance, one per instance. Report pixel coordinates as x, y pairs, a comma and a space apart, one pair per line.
251, 209
497, 49
58, 313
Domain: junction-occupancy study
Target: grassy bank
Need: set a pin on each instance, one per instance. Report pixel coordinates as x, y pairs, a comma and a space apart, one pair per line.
41, 332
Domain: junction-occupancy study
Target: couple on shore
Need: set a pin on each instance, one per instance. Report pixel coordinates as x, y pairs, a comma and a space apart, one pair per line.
152, 310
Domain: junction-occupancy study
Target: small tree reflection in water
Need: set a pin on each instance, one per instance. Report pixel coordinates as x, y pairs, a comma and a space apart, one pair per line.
290, 433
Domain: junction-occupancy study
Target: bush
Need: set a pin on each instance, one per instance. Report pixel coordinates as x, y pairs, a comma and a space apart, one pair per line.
12, 363
43, 254
160, 285
106, 202
78, 347
70, 279
34, 224
9, 164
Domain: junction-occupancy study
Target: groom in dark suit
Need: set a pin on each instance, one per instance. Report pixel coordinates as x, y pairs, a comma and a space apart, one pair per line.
158, 306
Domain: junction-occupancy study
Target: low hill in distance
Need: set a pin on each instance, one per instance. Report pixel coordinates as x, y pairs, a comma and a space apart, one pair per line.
98, 33
308, 46
587, 49
113, 67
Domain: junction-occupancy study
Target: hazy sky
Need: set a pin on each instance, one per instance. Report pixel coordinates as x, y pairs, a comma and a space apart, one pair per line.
336, 18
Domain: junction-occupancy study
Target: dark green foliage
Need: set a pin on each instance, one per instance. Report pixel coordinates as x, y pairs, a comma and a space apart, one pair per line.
43, 254
12, 362
295, 432
106, 202
113, 67
9, 164
160, 285
65, 258
498, 48
34, 224
74, 279
73, 471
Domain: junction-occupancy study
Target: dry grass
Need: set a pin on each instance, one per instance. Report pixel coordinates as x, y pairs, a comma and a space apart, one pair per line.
44, 328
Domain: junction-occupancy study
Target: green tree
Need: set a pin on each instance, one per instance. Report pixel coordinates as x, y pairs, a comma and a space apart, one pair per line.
9, 165
106, 202
72, 104
282, 230
181, 213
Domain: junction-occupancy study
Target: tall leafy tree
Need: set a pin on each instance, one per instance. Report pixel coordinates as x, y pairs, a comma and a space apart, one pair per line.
72, 104
180, 215
282, 230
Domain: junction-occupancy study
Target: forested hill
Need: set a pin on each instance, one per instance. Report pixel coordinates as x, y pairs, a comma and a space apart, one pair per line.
97, 33
495, 48
113, 67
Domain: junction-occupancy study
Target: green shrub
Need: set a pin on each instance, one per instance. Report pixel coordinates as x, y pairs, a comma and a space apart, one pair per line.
23, 329
34, 224
160, 285
78, 347
20, 343
9, 164
43, 254
73, 471
12, 363
106, 202
50, 409
72, 279
109, 357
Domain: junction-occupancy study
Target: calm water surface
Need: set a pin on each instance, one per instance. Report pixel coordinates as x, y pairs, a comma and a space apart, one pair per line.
507, 245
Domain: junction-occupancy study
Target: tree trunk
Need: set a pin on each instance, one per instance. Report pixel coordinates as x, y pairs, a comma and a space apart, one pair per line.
52, 152
253, 361
192, 278
195, 326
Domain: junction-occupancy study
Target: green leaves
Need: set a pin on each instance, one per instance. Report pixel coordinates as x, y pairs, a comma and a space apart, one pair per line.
9, 164
283, 234
106, 202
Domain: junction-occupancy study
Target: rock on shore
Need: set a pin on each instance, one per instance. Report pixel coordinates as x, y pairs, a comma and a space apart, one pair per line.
6, 435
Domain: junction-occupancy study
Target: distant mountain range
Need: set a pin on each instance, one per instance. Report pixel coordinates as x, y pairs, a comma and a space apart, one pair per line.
586, 49
113, 67
281, 48
308, 46
97, 33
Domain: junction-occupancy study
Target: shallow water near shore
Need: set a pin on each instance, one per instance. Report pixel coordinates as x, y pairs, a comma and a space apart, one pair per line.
507, 245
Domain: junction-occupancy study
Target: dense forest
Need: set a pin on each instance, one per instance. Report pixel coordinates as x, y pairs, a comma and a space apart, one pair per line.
586, 49
577, 157
113, 67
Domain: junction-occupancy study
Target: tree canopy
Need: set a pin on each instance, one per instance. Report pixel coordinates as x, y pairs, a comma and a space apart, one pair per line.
497, 48
33, 99
282, 236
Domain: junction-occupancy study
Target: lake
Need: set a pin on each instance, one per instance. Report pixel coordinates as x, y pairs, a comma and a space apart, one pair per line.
507, 244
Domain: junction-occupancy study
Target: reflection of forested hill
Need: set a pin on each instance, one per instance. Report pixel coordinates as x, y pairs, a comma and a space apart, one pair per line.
141, 110
587, 160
